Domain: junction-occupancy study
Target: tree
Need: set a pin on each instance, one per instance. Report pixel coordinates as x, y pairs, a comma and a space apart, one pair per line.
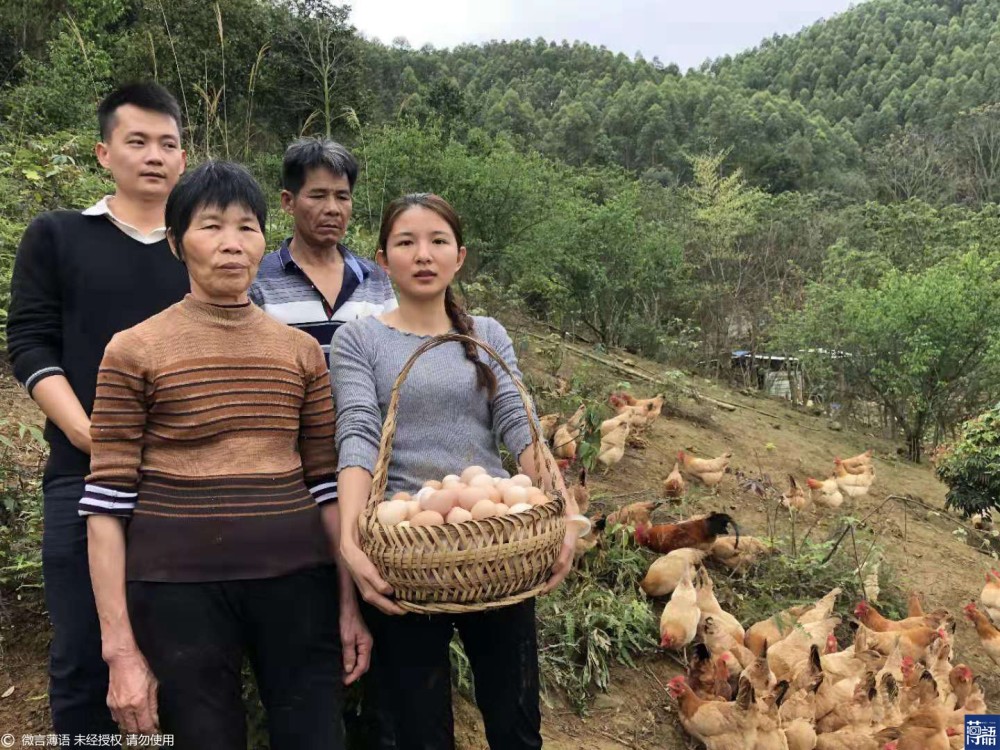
913, 341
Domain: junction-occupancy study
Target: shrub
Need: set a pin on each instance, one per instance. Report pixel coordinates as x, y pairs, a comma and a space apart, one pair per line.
971, 467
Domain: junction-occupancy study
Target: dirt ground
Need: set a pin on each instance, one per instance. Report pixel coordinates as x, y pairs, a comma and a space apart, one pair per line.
766, 436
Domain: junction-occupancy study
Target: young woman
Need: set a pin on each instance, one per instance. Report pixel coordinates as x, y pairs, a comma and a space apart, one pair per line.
455, 406
212, 438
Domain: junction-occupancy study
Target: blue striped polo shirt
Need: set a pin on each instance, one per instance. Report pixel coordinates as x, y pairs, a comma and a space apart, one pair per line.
285, 293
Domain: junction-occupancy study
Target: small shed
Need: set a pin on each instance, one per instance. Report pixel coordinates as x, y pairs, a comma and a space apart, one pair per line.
775, 374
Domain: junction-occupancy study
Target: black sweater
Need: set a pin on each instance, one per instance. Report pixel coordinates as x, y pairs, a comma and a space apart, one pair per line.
78, 280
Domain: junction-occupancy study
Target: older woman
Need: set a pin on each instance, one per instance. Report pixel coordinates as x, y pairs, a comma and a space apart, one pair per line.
211, 501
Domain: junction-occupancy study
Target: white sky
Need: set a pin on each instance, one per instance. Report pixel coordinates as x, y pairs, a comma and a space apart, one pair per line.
682, 32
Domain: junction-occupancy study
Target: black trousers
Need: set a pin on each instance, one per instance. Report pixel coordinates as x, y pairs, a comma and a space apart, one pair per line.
195, 635
78, 676
411, 676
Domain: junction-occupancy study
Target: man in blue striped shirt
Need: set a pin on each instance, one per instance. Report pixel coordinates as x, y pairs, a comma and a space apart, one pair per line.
312, 281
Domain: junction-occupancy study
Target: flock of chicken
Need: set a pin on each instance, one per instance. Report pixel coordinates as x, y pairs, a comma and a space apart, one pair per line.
784, 683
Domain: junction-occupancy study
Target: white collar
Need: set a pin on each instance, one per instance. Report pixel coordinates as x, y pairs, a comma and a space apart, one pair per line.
101, 208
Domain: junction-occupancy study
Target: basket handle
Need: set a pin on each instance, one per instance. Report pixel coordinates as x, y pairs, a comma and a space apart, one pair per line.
380, 477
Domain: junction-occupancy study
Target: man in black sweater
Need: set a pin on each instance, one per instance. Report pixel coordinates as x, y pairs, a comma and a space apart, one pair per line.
79, 278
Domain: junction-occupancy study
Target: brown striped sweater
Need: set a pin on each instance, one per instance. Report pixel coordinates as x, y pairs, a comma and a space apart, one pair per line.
212, 434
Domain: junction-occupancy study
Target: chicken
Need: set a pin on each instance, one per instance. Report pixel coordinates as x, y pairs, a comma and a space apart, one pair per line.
988, 634
773, 629
720, 641
679, 621
696, 532
563, 443
849, 663
707, 471
721, 726
610, 425
674, 485
885, 708
800, 734
913, 606
792, 656
741, 557
575, 422
960, 679
760, 675
620, 399
860, 460
634, 514
826, 494
613, 446
794, 498
855, 712
853, 485
580, 492
923, 730
871, 618
666, 572
849, 738
913, 642
990, 597
710, 607
822, 608
708, 675
549, 423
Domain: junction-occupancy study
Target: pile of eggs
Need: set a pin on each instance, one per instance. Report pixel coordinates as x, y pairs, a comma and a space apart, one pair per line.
473, 496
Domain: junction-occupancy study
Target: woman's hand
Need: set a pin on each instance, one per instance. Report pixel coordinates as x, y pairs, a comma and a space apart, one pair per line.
373, 588
132, 694
356, 643
563, 563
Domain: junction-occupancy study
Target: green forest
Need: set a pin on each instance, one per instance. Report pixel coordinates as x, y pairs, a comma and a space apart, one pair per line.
832, 193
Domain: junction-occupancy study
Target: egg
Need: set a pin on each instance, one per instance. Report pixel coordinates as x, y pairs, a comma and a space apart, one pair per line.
391, 512
521, 507
512, 494
501, 483
522, 480
424, 492
471, 472
451, 479
441, 501
427, 518
492, 493
484, 509
481, 480
458, 515
537, 498
469, 496
433, 484
412, 508
402, 496
502, 510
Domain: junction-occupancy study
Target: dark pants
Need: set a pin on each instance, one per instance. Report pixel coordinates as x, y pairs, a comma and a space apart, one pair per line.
195, 635
411, 671
78, 676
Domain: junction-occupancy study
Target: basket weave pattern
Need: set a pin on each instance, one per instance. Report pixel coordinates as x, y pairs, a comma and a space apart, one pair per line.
470, 566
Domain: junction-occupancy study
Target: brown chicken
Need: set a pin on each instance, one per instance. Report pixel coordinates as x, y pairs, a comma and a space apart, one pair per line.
826, 494
853, 485
739, 558
634, 514
990, 596
549, 423
679, 621
563, 443
924, 730
674, 485
696, 532
721, 726
708, 676
794, 498
860, 460
612, 448
707, 471
870, 617
913, 642
665, 572
988, 633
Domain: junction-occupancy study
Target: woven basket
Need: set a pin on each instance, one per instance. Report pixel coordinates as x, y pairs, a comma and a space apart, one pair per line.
471, 566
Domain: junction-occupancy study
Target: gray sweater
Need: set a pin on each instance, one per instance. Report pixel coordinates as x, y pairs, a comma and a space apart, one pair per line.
445, 423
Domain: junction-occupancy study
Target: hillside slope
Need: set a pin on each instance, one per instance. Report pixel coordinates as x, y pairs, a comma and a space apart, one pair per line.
766, 437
